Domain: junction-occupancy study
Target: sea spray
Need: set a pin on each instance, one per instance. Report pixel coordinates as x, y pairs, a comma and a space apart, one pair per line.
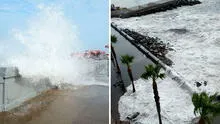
48, 42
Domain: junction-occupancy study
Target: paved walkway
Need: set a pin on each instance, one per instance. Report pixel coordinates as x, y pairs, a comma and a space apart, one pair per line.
86, 105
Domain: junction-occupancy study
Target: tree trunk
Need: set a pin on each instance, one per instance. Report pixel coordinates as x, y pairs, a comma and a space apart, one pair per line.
201, 121
157, 99
116, 61
131, 77
112, 59
122, 86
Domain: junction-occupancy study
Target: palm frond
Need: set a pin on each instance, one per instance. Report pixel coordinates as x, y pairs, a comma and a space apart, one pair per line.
149, 69
157, 68
205, 105
113, 39
127, 59
161, 76
153, 71
215, 108
146, 75
213, 97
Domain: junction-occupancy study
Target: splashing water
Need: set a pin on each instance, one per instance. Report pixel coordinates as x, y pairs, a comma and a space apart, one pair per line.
48, 41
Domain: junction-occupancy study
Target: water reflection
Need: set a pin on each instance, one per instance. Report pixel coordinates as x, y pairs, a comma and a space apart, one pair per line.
123, 47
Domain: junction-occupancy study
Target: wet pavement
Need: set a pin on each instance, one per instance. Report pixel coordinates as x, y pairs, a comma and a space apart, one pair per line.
85, 105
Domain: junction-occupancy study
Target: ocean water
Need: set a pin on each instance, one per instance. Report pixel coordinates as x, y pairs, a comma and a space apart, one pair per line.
196, 51
193, 33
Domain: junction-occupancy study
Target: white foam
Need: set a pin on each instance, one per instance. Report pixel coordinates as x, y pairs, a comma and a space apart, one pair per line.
195, 56
48, 42
196, 53
176, 105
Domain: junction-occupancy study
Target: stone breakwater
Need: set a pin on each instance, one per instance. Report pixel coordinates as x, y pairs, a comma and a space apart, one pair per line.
153, 44
150, 8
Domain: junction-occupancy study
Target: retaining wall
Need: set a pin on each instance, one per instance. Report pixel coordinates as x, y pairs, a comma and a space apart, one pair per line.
19, 89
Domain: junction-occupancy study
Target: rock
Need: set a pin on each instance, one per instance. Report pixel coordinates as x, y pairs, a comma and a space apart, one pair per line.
179, 30
133, 116
152, 44
198, 84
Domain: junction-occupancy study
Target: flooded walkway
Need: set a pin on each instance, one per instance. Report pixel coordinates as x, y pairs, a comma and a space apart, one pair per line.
84, 105
123, 47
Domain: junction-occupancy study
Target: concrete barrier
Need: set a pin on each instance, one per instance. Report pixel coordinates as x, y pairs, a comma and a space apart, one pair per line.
18, 89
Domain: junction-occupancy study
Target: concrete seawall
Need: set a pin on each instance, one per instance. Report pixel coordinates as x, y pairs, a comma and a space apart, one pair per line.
149, 8
19, 89
168, 70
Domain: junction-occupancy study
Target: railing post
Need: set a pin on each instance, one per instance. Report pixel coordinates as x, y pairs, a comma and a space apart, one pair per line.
3, 95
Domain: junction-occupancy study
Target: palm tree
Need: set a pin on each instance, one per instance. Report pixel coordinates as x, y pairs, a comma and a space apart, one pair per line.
112, 59
206, 107
126, 59
153, 72
114, 40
